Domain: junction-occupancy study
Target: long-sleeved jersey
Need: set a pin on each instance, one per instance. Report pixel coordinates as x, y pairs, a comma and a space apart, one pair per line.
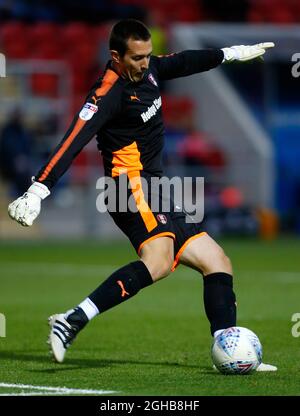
126, 117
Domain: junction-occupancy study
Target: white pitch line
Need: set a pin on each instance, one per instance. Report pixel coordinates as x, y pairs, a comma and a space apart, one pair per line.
59, 390
32, 393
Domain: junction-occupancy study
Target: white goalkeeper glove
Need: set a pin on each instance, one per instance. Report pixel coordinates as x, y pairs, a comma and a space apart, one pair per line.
26, 208
246, 52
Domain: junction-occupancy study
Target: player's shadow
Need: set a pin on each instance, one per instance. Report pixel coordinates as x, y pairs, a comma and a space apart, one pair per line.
39, 357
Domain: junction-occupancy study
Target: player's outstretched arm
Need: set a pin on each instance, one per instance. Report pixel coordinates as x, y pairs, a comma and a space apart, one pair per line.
27, 207
246, 52
85, 125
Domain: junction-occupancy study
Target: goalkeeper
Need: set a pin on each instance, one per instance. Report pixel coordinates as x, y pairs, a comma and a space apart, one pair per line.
123, 111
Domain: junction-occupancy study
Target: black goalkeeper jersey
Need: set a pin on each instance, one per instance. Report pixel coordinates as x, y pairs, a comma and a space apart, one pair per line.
126, 117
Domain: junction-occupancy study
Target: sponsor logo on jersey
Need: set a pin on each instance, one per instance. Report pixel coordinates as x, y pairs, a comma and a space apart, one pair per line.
87, 112
151, 110
152, 79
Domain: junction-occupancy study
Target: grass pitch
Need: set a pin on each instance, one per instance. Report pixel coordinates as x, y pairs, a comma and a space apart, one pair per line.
157, 343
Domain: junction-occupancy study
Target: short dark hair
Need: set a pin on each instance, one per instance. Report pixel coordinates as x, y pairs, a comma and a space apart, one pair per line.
124, 30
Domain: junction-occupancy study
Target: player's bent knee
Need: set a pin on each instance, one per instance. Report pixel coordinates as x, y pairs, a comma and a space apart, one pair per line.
165, 268
158, 267
226, 264
219, 263
161, 269
215, 261
158, 256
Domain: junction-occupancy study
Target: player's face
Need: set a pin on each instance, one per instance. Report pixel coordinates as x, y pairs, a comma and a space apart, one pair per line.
135, 62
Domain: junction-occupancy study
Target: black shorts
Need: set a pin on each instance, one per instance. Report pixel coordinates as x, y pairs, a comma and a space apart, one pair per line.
144, 225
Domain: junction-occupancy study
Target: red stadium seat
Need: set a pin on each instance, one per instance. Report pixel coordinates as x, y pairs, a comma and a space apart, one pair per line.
76, 32
176, 109
46, 50
175, 10
186, 14
44, 85
12, 32
79, 82
280, 16
82, 55
273, 11
44, 33
16, 49
101, 32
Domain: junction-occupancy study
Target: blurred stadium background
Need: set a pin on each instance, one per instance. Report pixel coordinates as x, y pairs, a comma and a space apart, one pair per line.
238, 126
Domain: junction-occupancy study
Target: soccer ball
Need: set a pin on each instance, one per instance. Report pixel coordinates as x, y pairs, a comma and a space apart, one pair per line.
236, 350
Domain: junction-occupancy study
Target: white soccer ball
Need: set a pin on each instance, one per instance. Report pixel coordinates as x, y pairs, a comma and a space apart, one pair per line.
236, 350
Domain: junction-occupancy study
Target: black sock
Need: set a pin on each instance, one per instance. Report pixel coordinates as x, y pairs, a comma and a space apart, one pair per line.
219, 301
77, 319
121, 285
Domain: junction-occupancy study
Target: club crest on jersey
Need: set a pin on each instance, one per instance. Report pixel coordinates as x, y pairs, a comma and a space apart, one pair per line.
152, 79
87, 112
161, 218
